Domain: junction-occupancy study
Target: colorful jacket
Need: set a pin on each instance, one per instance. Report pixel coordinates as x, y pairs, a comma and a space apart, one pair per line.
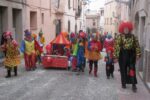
108, 43
30, 47
94, 48
126, 42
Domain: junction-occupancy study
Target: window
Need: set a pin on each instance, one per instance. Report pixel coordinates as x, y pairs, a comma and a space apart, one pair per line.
69, 4
107, 21
133, 2
93, 23
42, 18
58, 3
58, 27
76, 28
110, 21
74, 4
69, 26
33, 20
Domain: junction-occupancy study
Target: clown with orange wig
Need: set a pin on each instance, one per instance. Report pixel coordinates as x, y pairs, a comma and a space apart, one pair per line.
39, 49
12, 60
127, 50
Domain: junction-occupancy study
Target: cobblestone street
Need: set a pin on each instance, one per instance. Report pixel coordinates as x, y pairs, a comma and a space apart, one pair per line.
53, 84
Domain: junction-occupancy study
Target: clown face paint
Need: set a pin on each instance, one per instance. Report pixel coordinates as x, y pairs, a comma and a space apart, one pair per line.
126, 30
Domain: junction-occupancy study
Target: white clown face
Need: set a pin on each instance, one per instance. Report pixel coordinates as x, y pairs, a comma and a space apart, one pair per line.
126, 30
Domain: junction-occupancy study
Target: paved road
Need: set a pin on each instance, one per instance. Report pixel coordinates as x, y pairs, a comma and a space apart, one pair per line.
53, 84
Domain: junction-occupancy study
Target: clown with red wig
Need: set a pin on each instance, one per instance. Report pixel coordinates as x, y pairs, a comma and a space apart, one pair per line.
29, 47
127, 50
12, 59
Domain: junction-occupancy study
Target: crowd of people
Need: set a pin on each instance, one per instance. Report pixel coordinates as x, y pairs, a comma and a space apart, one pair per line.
84, 48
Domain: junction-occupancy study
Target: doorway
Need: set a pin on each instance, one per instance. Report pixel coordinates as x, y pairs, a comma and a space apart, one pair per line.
3, 23
17, 24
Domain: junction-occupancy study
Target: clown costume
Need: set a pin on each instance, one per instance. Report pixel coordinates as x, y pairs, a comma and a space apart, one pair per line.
12, 59
94, 47
29, 47
127, 51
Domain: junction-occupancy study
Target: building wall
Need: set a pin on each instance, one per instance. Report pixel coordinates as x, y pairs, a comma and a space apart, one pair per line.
102, 20
91, 20
11, 14
109, 13
141, 17
39, 7
67, 15
44, 17
13, 18
118, 11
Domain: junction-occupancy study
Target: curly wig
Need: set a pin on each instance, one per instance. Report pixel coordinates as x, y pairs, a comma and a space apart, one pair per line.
124, 25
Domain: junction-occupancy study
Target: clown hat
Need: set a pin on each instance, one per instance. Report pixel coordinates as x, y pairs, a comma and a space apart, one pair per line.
7, 33
41, 32
27, 32
82, 35
34, 35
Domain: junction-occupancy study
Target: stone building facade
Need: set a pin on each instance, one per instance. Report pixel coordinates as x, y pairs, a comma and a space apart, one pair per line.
115, 11
50, 16
141, 17
11, 18
93, 21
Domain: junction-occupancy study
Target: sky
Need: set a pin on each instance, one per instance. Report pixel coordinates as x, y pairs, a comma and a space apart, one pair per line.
96, 4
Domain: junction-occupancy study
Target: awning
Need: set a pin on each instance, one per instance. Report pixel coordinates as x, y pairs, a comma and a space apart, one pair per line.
60, 39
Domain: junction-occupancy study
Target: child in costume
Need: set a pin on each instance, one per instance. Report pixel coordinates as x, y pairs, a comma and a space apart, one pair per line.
39, 50
67, 53
81, 52
41, 41
12, 59
94, 47
109, 59
127, 51
28, 48
74, 48
80, 56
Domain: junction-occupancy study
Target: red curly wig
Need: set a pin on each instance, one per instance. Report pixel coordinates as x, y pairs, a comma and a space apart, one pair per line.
124, 25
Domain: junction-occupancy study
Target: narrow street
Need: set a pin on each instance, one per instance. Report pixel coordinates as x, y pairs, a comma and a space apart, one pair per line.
43, 84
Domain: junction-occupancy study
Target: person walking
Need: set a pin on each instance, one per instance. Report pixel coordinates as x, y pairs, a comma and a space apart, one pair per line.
127, 51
